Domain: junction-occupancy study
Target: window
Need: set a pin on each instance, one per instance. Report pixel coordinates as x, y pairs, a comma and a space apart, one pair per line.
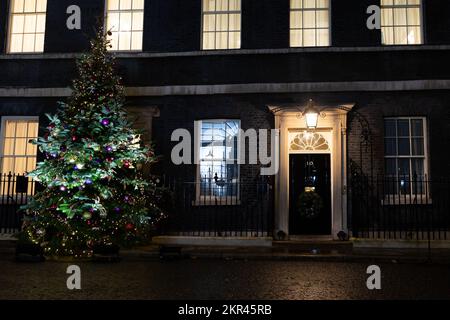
218, 158
125, 19
221, 24
27, 26
17, 155
405, 155
401, 22
310, 23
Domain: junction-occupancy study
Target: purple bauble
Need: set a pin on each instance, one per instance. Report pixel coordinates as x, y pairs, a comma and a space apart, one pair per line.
109, 149
105, 122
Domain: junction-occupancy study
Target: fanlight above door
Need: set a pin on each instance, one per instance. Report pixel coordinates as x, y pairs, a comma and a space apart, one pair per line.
308, 141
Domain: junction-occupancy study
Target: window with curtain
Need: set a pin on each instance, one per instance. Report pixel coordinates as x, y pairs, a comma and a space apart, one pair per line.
401, 22
218, 156
125, 19
310, 23
27, 26
221, 24
405, 155
18, 156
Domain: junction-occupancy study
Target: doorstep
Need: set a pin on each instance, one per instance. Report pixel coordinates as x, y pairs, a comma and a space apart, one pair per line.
265, 242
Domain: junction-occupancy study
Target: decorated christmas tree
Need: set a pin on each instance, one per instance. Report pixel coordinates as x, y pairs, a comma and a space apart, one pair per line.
94, 192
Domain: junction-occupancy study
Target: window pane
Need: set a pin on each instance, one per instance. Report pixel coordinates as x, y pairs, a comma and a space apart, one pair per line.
18, 6
30, 23
209, 22
8, 147
296, 4
113, 4
417, 127
222, 22
235, 22
28, 43
323, 37
221, 40
17, 23
403, 128
138, 4
296, 38
30, 6
418, 147
403, 147
136, 41
41, 6
309, 37
309, 3
322, 19
125, 4
309, 18
208, 40
209, 5
235, 40
296, 19
138, 21
124, 41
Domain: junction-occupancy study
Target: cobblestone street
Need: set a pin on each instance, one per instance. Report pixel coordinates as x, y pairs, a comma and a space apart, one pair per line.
222, 279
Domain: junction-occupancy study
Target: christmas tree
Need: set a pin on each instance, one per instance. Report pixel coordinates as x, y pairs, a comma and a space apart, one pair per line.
94, 192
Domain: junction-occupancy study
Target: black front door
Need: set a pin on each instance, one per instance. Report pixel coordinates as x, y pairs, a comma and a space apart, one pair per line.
310, 194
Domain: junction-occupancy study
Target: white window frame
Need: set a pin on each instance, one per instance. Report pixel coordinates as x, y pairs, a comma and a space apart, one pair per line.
106, 11
2, 137
216, 12
303, 9
10, 23
393, 6
419, 198
214, 200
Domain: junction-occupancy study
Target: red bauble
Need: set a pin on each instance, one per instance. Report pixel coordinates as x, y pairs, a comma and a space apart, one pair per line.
74, 138
129, 226
126, 164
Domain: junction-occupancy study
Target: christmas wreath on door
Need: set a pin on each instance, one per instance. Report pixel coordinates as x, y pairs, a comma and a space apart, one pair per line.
310, 204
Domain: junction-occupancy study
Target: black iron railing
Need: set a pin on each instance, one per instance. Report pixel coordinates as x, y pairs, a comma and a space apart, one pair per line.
221, 209
15, 191
400, 208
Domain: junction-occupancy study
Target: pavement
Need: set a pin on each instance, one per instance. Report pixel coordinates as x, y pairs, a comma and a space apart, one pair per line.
315, 251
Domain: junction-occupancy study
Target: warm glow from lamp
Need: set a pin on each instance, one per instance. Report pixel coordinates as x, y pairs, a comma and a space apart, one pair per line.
311, 120
311, 115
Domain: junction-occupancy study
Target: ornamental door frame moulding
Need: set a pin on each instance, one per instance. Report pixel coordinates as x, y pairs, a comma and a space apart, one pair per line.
333, 126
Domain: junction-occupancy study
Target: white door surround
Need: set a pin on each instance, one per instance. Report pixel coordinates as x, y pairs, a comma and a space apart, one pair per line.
331, 130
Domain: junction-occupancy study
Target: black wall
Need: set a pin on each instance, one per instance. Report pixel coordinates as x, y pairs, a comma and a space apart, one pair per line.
348, 24
172, 25
3, 24
265, 24
60, 39
436, 21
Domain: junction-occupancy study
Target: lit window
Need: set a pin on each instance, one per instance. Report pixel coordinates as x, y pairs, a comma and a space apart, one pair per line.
405, 155
27, 26
218, 155
125, 19
401, 22
17, 155
310, 23
221, 24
